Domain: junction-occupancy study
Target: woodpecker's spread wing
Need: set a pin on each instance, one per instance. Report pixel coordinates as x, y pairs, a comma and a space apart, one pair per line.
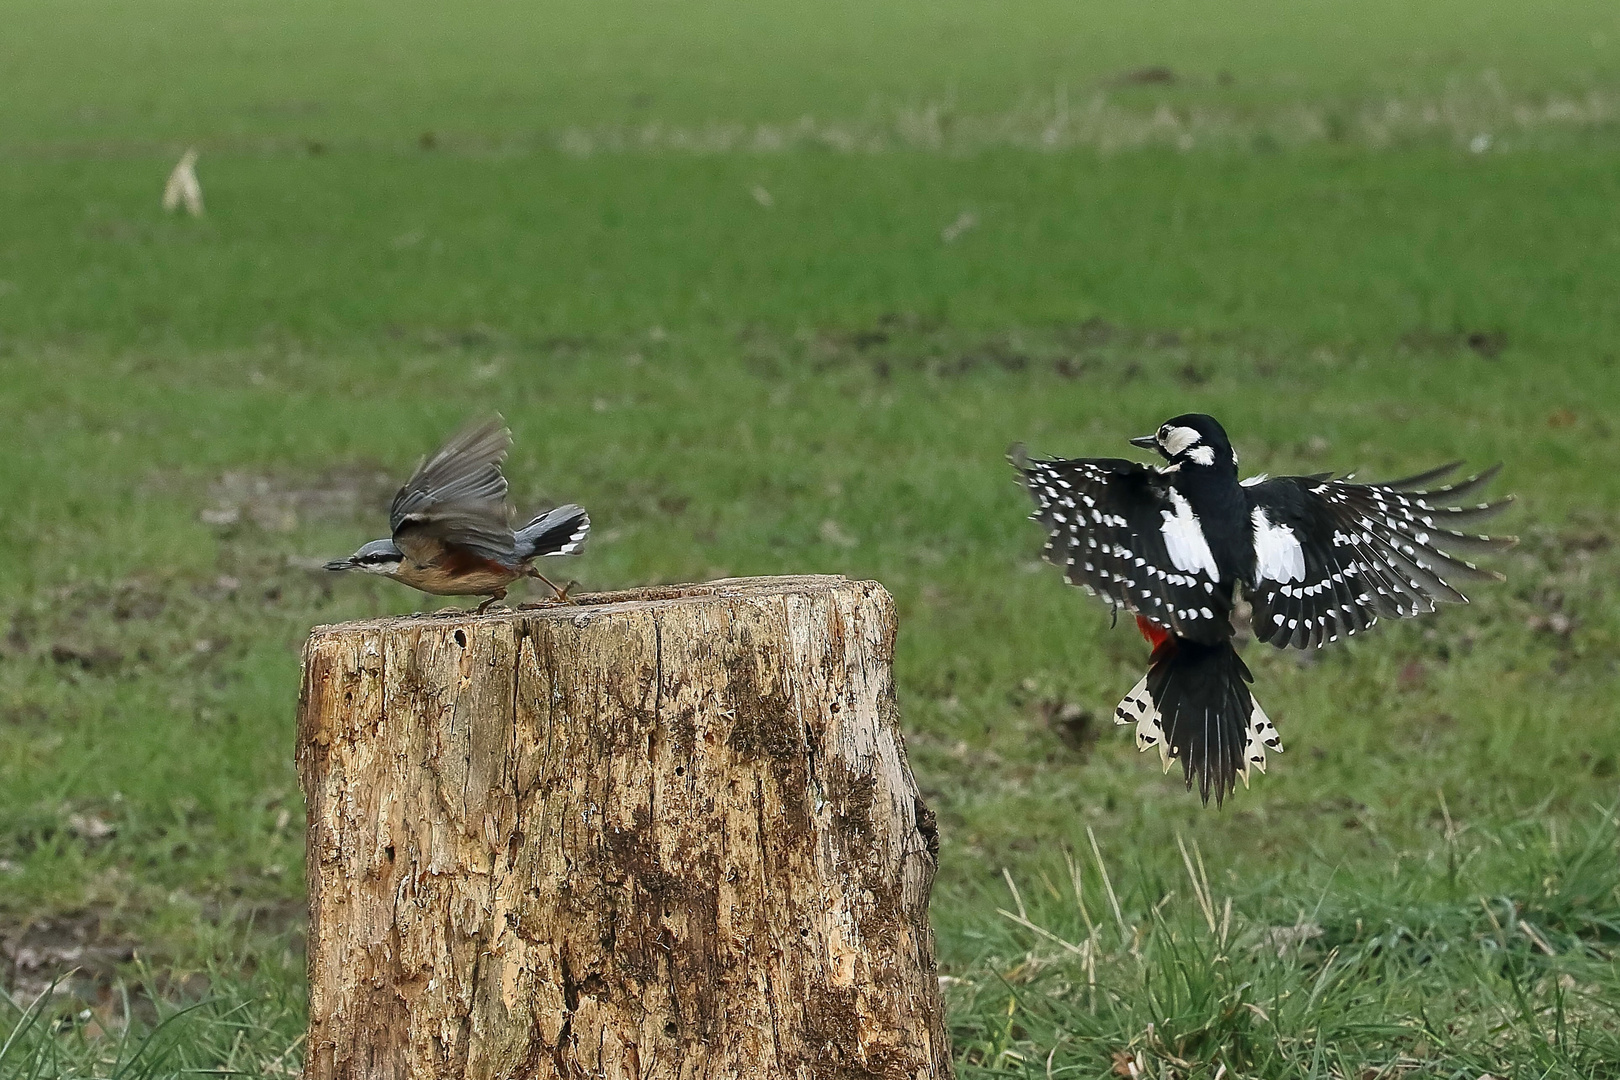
1332, 557
457, 498
1120, 531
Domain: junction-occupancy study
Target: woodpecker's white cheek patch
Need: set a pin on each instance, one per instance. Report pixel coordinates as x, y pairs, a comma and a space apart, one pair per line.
1184, 538
1277, 552
1203, 455
1178, 439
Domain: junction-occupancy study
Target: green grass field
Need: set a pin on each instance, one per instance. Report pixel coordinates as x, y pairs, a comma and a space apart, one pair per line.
770, 292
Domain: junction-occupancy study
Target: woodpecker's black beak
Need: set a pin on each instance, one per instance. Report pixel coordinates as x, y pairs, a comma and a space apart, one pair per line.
1146, 442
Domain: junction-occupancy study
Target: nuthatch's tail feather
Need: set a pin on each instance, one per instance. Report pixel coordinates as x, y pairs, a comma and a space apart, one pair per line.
1194, 704
556, 532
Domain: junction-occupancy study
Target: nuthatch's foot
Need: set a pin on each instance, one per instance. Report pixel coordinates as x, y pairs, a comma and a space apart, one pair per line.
559, 596
487, 604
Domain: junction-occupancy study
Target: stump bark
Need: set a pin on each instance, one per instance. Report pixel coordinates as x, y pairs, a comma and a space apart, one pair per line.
666, 833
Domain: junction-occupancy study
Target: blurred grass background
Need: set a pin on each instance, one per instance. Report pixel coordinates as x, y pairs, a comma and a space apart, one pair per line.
769, 290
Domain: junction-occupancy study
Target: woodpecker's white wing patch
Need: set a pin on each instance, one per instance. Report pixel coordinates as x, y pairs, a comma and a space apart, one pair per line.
1333, 557
1277, 552
1120, 530
1184, 538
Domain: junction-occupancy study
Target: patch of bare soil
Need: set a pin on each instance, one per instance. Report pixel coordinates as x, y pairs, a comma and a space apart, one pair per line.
899, 344
76, 955
1152, 75
84, 958
1486, 343
280, 504
1074, 725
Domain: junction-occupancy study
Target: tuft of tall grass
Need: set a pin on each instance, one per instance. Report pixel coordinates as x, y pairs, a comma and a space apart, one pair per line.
247, 1025
1492, 954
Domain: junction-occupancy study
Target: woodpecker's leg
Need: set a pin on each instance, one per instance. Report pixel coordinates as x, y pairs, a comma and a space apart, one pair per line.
495, 598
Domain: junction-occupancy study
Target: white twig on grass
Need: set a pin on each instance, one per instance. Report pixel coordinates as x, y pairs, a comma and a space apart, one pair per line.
1540, 942
277, 1065
1199, 888
1013, 888
183, 188
1079, 892
965, 221
1078, 950
1108, 885
1445, 812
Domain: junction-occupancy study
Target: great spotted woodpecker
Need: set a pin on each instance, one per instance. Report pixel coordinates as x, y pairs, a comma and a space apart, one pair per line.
1317, 559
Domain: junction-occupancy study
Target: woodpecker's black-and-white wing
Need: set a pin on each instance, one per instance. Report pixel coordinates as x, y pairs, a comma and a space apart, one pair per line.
1121, 531
1332, 557
457, 498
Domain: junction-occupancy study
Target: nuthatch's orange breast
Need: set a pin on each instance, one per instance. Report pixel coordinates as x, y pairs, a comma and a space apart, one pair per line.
457, 573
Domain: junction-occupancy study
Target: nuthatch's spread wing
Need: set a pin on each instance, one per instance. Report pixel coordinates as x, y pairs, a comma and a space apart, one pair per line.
457, 499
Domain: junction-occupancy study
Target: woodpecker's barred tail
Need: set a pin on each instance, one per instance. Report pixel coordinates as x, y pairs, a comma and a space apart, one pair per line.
556, 532
1194, 705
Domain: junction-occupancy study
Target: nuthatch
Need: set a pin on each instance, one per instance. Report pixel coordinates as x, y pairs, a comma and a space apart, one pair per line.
452, 530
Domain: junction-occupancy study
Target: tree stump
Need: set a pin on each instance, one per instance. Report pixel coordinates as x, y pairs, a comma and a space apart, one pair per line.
664, 833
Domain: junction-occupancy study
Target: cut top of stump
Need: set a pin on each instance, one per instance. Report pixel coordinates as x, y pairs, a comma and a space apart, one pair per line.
669, 832
583, 608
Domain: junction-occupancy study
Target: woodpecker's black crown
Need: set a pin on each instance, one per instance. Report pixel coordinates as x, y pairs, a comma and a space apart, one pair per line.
1192, 439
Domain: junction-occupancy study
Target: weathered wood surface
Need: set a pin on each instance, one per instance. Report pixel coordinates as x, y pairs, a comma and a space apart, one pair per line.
667, 833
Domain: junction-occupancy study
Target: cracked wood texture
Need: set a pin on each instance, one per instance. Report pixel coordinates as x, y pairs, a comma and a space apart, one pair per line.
669, 833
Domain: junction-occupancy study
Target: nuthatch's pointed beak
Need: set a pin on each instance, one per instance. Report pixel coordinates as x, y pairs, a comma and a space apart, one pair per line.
340, 564
1146, 442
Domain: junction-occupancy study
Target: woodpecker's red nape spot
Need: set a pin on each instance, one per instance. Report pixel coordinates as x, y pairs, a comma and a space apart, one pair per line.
1151, 630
